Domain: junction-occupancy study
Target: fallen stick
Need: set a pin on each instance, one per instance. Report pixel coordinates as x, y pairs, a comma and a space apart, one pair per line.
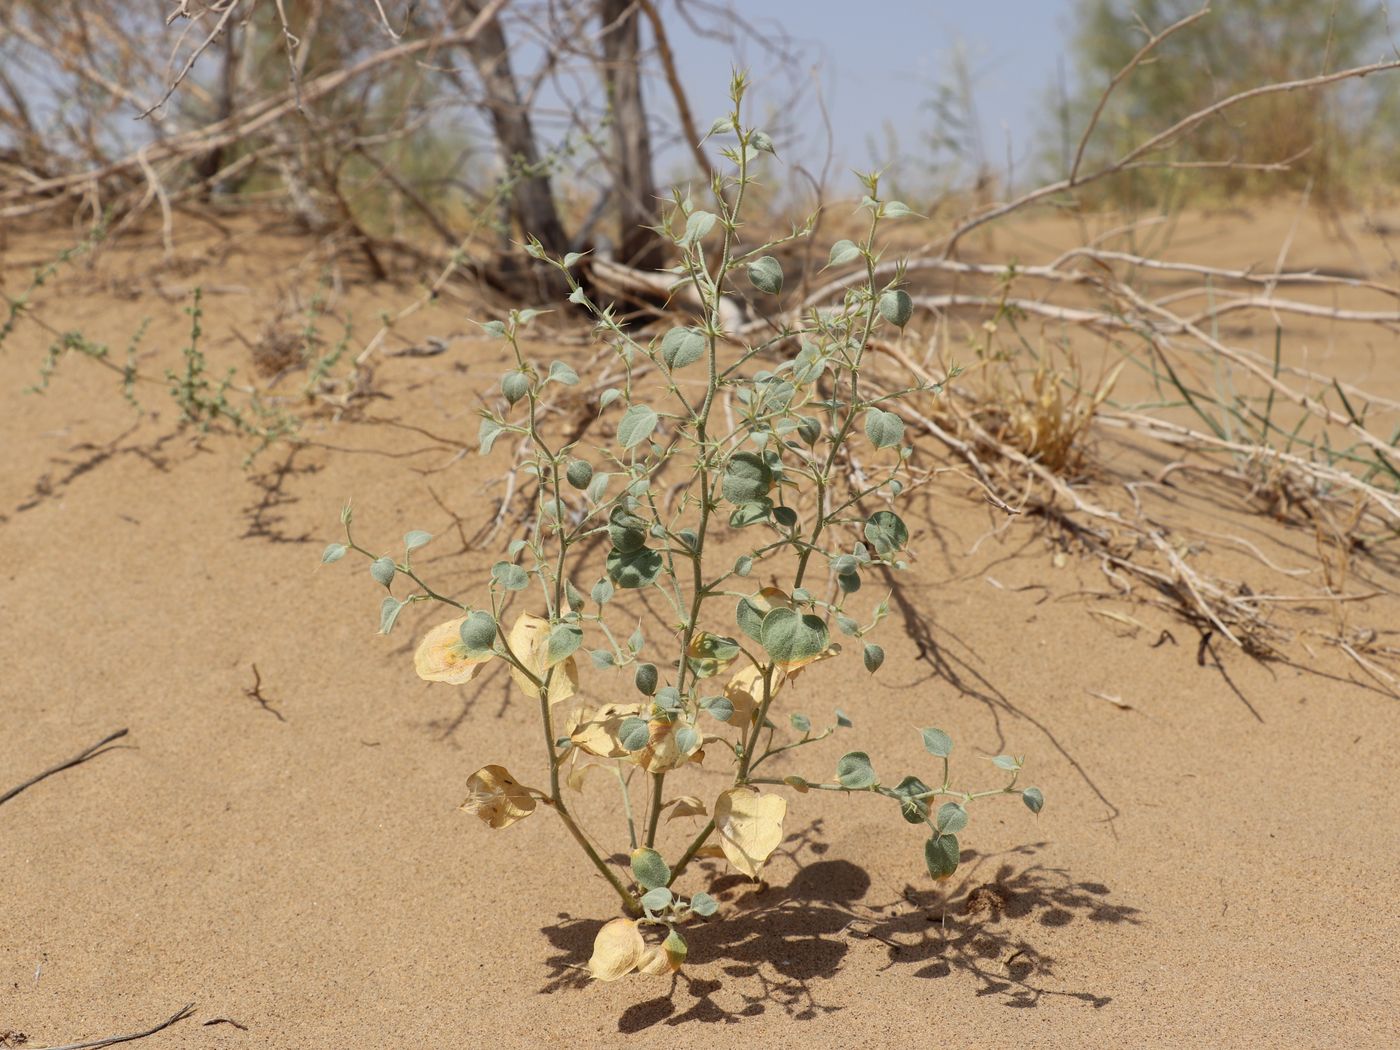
179, 1015
92, 752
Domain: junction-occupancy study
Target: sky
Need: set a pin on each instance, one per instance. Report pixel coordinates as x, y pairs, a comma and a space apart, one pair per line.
881, 61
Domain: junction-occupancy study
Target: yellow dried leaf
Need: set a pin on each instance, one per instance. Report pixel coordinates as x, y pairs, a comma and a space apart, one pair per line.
441, 656
665, 958
617, 950
745, 692
711, 849
663, 751
497, 797
750, 826
579, 774
794, 668
686, 806
704, 647
596, 732
796, 782
529, 641
770, 598
655, 961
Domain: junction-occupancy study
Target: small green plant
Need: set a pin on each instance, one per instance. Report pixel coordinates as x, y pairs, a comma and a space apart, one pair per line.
682, 481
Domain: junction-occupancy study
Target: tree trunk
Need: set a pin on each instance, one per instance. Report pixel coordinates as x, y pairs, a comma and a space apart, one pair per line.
532, 198
633, 182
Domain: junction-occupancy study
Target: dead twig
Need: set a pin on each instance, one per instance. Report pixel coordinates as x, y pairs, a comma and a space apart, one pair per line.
179, 1015
82, 756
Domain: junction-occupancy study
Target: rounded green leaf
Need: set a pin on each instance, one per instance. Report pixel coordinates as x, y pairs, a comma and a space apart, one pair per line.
579, 473
743, 566
486, 436
721, 707
333, 552
657, 899
843, 251
634, 733
886, 532
697, 225
389, 610
514, 385
766, 274
1033, 798
645, 678
561, 372
478, 633
809, 428
564, 640
941, 853
789, 636
650, 869
637, 425
510, 576
751, 513
598, 487
687, 739
952, 818
682, 346
911, 807
874, 656
382, 569
633, 569
627, 531
896, 307
415, 539
938, 743
747, 478
703, 904
884, 429
855, 771
603, 591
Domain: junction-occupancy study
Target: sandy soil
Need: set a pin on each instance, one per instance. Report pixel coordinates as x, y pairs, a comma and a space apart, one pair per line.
1215, 865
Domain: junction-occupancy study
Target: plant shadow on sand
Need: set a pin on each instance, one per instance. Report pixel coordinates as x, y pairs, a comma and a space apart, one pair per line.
776, 944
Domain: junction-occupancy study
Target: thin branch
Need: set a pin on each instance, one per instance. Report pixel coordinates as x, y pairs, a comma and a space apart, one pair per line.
179, 1015
1122, 75
82, 756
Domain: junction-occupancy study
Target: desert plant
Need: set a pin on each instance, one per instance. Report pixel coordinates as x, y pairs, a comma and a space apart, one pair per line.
672, 494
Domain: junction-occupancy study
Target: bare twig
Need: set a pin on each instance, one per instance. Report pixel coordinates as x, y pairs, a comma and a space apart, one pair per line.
179, 1015
82, 756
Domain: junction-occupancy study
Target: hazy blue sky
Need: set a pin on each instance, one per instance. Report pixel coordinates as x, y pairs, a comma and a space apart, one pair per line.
880, 60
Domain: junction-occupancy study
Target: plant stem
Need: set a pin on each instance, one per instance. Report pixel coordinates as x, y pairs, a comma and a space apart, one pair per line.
690, 852
626, 805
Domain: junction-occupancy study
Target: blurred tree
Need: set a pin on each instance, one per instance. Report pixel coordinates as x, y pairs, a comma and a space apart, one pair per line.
1240, 44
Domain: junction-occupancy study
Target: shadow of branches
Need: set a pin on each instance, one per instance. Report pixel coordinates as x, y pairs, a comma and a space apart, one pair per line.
774, 946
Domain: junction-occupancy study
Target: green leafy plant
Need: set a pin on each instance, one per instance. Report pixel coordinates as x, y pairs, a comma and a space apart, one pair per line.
682, 485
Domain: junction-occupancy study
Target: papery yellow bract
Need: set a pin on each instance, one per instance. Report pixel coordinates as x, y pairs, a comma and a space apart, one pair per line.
706, 654
441, 656
686, 806
745, 692
750, 826
596, 732
793, 668
663, 751
497, 797
654, 961
617, 950
529, 641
